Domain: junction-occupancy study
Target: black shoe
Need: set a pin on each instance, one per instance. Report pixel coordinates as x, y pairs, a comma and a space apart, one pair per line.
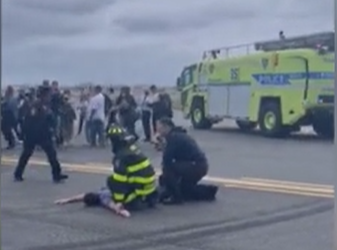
211, 194
60, 178
172, 201
9, 147
18, 178
152, 200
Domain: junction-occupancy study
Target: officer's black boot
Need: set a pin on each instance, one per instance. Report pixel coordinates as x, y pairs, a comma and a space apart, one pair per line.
175, 196
18, 178
50, 151
60, 178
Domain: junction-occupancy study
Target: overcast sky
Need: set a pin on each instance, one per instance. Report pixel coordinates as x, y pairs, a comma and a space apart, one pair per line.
138, 41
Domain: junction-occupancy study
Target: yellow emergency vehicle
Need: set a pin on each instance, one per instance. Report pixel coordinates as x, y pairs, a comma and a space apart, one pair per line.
278, 85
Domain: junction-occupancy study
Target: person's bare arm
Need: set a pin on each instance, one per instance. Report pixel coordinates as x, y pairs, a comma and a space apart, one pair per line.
118, 209
72, 199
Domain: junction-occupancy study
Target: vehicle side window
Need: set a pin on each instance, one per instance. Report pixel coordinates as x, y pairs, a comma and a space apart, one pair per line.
187, 77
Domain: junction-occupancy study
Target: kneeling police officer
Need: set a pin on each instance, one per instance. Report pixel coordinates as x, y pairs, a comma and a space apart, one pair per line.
184, 165
37, 131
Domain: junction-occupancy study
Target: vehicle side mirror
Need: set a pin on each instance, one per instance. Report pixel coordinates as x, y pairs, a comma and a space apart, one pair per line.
178, 83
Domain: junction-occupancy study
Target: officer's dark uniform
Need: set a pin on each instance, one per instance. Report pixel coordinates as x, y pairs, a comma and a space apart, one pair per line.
184, 165
133, 182
37, 131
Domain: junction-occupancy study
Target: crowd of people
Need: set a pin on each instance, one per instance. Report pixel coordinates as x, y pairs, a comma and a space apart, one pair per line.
37, 118
95, 110
15, 106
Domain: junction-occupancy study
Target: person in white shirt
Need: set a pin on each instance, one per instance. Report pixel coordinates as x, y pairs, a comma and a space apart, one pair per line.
83, 112
96, 117
154, 101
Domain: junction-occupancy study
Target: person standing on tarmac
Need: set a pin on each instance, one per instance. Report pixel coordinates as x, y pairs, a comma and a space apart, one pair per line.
146, 116
184, 165
9, 114
131, 187
96, 117
37, 131
127, 108
24, 108
56, 104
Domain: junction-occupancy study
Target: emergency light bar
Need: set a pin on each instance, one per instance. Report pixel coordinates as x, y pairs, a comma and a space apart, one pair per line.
325, 39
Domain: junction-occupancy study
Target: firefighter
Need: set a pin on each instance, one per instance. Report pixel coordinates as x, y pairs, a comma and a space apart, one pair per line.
133, 183
37, 131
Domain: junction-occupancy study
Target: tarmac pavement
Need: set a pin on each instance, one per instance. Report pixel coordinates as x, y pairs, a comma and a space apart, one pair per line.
275, 194
239, 219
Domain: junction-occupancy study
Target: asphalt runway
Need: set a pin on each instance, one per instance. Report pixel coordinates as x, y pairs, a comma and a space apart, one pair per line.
239, 219
275, 194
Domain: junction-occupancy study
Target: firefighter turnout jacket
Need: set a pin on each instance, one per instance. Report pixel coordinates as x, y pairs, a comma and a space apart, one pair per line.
133, 178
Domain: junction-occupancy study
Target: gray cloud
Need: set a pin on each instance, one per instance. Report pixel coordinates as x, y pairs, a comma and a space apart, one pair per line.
73, 7
21, 22
130, 41
203, 18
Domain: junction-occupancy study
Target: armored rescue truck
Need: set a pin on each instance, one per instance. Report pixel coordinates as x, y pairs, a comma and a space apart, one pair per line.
278, 86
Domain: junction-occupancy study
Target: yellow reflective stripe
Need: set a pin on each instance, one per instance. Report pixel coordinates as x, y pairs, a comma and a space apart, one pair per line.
138, 193
139, 166
120, 178
142, 180
143, 192
131, 197
118, 196
115, 131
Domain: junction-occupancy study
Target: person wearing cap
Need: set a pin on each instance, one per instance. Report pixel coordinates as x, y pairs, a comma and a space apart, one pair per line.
37, 130
133, 183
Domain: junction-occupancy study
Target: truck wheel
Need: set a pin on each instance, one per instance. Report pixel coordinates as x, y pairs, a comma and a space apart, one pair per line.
270, 120
324, 128
246, 125
198, 119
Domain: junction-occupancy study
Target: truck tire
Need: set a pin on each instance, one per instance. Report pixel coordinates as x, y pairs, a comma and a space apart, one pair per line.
246, 125
198, 119
324, 128
270, 120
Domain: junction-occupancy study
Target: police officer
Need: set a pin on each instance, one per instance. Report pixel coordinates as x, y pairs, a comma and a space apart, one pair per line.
133, 183
184, 165
37, 131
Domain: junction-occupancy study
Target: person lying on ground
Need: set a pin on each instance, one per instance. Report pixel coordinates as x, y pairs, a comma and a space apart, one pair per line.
101, 198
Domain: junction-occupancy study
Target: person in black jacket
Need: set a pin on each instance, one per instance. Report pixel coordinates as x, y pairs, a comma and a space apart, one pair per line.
37, 131
184, 165
56, 103
127, 109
